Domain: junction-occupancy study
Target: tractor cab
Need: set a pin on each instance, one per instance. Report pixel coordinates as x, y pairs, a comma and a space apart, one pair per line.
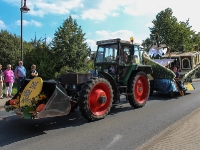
116, 56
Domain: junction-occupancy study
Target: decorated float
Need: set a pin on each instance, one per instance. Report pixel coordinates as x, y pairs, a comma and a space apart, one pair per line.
163, 78
186, 61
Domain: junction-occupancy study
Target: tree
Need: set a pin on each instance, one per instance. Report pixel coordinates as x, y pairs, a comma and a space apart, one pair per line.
69, 46
167, 30
9, 48
43, 58
147, 44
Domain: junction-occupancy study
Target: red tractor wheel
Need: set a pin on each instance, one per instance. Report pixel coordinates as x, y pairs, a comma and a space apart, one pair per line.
139, 88
95, 100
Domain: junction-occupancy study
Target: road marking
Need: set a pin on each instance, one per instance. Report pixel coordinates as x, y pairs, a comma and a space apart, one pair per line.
116, 138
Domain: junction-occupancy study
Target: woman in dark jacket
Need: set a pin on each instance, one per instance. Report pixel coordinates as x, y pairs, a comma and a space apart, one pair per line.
33, 73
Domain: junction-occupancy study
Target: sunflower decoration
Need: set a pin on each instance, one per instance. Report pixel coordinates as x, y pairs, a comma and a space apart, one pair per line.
13, 103
39, 99
35, 102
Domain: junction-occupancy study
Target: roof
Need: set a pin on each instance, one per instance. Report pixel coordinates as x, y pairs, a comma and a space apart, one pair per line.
118, 40
177, 54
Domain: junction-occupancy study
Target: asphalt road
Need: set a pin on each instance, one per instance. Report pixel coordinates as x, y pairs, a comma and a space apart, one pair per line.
124, 128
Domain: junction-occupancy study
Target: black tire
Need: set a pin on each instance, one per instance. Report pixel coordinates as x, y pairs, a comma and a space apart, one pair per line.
139, 87
95, 100
151, 92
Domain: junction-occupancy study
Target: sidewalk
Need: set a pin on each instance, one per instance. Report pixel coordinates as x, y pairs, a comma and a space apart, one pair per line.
2, 103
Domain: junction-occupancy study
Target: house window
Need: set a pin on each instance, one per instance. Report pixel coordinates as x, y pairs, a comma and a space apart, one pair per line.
186, 63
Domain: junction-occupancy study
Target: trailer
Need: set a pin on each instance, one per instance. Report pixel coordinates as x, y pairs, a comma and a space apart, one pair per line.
163, 78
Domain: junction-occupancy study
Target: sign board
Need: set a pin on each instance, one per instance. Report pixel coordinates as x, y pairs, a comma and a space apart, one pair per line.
32, 89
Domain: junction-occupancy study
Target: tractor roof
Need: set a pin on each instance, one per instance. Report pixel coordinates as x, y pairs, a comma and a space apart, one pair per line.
111, 41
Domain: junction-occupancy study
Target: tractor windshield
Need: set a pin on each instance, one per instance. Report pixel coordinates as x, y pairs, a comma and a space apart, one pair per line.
106, 53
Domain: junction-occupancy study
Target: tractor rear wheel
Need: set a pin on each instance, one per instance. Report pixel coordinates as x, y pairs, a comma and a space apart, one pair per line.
139, 88
95, 100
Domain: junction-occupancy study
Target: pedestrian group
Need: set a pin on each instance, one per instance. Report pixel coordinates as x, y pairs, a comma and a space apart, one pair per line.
9, 76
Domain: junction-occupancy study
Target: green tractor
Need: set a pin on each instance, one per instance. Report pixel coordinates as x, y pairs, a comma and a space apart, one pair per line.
118, 71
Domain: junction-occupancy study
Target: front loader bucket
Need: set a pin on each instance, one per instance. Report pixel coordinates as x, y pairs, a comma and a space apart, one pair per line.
40, 99
58, 104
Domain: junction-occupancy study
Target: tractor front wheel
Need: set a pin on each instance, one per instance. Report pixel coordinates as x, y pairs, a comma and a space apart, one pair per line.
138, 88
95, 100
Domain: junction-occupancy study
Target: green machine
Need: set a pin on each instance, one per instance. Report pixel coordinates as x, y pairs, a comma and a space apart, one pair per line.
119, 62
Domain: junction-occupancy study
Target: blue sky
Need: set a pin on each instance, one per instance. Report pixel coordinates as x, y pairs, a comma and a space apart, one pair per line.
99, 19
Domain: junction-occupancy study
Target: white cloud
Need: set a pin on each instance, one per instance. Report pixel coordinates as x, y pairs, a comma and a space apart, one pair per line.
94, 14
41, 8
2, 25
150, 24
54, 23
122, 34
27, 23
92, 44
44, 7
114, 14
103, 9
74, 16
48, 39
105, 35
100, 12
108, 8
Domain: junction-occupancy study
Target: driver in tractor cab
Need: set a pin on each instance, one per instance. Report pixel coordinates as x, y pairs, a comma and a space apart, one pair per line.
123, 56
112, 69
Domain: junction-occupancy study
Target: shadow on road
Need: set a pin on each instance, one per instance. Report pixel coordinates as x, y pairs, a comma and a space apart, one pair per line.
163, 97
14, 129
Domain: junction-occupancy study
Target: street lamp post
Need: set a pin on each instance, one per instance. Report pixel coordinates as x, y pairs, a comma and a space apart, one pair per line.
23, 9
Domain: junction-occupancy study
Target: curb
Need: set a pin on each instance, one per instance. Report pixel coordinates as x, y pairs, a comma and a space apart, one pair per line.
2, 108
2, 103
195, 80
